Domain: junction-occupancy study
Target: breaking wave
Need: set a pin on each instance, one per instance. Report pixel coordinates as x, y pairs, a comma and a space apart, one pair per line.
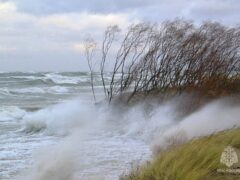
43, 90
155, 125
11, 113
59, 119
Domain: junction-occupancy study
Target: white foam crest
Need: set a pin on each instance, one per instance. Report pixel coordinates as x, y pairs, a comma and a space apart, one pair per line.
56, 78
41, 90
60, 79
62, 118
25, 77
4, 91
11, 113
155, 124
28, 90
58, 89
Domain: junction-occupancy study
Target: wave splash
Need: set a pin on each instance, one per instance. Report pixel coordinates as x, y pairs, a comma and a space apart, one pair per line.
60, 119
156, 125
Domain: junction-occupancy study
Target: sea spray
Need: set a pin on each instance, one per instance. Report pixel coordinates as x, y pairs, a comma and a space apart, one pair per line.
216, 116
110, 137
53, 163
117, 135
62, 118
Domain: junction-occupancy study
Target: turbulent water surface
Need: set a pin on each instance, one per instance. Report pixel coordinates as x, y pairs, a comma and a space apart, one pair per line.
50, 129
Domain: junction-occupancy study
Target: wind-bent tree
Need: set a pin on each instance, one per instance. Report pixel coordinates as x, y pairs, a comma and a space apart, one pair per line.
89, 49
174, 56
109, 38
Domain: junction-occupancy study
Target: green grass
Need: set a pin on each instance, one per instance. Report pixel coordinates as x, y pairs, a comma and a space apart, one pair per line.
196, 160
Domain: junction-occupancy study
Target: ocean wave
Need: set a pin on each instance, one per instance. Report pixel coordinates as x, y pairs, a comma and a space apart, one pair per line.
34, 126
155, 124
4, 91
63, 118
26, 77
28, 90
60, 79
59, 119
40, 90
49, 79
58, 89
11, 113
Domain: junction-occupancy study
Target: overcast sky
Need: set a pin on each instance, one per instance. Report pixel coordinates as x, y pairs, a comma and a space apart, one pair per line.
45, 35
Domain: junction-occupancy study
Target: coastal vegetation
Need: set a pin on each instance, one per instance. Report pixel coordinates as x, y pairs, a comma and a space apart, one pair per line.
157, 61
169, 58
197, 159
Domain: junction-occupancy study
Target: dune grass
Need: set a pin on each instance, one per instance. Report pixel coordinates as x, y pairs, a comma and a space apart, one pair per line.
196, 160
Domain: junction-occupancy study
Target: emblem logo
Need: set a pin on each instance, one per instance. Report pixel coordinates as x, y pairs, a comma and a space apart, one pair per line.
229, 157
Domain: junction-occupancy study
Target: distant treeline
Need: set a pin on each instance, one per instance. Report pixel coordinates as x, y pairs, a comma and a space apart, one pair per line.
175, 55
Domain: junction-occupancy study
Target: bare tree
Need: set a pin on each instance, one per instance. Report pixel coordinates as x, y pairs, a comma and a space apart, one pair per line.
89, 49
175, 56
109, 37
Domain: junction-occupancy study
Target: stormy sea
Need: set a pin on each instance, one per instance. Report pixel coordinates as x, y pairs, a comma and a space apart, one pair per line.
51, 128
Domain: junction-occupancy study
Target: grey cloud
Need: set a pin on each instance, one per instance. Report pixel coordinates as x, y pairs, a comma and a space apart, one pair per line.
41, 7
150, 10
225, 11
153, 10
27, 46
